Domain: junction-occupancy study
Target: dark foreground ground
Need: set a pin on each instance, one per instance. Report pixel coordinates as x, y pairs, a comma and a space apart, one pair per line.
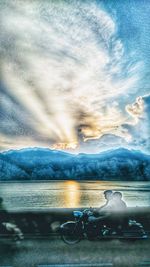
39, 250
49, 252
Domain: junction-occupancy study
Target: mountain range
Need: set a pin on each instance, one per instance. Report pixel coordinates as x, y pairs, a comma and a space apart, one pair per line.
46, 164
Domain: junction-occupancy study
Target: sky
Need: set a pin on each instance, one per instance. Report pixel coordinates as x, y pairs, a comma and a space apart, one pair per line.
75, 75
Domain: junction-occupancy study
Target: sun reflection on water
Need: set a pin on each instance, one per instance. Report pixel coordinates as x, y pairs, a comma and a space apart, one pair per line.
72, 194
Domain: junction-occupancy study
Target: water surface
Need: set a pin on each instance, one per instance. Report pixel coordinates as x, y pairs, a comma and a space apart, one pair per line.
69, 194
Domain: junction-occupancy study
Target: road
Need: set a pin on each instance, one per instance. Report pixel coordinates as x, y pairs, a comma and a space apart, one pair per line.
43, 252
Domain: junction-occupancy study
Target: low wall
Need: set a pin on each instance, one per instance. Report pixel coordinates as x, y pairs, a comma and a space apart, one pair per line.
45, 222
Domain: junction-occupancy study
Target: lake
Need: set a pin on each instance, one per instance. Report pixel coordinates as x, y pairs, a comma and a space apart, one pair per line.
69, 194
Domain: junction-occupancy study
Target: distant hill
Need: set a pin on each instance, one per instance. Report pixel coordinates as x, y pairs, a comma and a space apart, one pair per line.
45, 164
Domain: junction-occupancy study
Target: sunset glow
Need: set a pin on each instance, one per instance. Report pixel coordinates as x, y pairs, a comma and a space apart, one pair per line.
64, 146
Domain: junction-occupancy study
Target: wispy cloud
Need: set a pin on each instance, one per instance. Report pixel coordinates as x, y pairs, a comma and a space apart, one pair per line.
66, 66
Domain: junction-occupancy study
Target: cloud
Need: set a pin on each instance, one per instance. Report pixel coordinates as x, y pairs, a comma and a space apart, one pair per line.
139, 128
66, 66
134, 133
136, 109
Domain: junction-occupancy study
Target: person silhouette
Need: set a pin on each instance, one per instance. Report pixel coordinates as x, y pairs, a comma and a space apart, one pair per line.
103, 212
117, 203
108, 195
99, 215
109, 211
3, 212
119, 207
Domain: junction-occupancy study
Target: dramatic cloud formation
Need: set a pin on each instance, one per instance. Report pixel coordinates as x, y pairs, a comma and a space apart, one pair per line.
140, 130
68, 76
